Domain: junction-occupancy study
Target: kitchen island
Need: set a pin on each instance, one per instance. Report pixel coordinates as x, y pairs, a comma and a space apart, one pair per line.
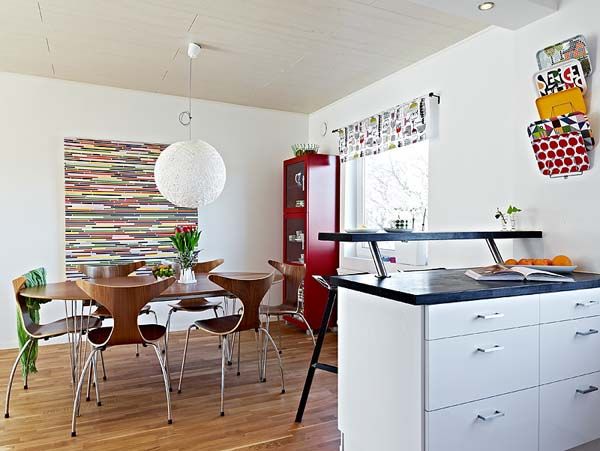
436, 361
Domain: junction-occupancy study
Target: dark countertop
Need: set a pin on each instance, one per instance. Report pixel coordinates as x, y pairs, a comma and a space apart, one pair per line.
427, 236
444, 286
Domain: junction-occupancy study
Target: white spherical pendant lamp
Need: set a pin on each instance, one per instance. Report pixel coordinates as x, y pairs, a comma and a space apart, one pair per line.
190, 173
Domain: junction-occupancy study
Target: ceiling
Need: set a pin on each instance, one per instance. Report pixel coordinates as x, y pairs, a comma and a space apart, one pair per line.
292, 55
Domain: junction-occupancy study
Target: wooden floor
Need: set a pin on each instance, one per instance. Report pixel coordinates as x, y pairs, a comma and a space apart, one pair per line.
133, 411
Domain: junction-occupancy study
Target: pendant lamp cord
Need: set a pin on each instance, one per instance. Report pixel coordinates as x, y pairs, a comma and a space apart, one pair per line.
185, 117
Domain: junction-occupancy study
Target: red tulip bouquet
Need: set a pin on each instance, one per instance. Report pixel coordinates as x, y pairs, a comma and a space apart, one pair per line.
185, 241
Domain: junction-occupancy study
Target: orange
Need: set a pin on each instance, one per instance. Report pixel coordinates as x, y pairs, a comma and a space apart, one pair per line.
540, 262
526, 261
562, 260
548, 262
511, 261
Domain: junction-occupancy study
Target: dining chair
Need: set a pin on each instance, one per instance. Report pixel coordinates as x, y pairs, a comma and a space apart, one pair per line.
250, 292
124, 302
106, 272
294, 277
39, 332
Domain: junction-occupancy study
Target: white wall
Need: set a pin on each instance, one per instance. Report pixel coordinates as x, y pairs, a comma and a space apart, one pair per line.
482, 158
471, 162
243, 226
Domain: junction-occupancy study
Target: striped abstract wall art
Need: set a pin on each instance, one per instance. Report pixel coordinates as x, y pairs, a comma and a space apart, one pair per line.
113, 210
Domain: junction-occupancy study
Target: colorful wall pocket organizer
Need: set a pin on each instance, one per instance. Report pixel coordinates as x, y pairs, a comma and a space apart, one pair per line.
561, 103
573, 122
572, 48
563, 76
561, 155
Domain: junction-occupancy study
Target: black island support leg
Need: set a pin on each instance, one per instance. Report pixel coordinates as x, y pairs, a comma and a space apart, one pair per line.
495, 251
314, 361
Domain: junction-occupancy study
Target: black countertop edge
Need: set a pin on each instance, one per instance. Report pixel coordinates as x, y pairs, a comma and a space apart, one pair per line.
401, 290
427, 236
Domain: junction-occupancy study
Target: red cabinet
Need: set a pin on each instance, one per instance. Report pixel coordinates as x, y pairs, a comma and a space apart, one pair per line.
310, 206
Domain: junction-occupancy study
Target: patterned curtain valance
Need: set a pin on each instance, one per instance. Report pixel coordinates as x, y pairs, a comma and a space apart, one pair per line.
399, 126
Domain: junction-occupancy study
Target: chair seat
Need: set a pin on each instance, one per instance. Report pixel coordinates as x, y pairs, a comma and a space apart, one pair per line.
281, 309
150, 332
59, 327
193, 305
219, 326
102, 312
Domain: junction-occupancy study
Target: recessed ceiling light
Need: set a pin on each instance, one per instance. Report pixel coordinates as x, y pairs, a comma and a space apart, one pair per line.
486, 6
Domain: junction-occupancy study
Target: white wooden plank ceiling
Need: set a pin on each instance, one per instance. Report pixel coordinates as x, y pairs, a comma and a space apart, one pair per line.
292, 55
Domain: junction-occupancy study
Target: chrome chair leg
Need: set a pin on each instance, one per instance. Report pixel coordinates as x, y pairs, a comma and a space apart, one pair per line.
278, 357
103, 367
12, 376
231, 349
168, 327
137, 350
166, 361
258, 354
308, 328
187, 339
28, 359
96, 384
77, 400
239, 347
89, 385
225, 346
279, 333
165, 380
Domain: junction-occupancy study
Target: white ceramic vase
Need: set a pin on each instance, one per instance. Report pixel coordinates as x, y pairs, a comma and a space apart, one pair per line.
187, 276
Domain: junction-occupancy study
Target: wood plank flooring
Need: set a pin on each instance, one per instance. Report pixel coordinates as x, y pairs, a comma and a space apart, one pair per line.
133, 411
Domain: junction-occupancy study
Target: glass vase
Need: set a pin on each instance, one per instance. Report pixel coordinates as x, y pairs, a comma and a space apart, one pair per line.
512, 221
187, 276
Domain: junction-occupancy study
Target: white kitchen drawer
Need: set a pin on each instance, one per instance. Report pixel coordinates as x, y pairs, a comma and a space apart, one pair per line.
464, 369
569, 418
569, 349
463, 318
566, 305
511, 424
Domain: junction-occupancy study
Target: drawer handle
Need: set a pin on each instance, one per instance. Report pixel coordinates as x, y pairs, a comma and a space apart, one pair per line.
491, 316
589, 332
496, 414
587, 304
492, 349
591, 389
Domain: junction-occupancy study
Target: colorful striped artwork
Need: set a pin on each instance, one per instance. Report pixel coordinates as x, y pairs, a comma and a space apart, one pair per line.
113, 210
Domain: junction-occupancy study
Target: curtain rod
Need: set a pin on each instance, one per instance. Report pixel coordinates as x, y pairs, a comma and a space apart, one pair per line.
431, 94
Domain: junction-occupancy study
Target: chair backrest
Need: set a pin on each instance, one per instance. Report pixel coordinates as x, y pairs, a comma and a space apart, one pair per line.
293, 274
250, 292
107, 271
205, 267
23, 312
124, 302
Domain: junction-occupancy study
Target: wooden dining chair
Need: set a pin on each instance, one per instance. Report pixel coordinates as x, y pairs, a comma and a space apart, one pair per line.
124, 302
294, 277
250, 292
106, 272
39, 332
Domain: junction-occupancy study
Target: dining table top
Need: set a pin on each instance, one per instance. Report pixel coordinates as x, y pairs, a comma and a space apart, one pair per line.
69, 291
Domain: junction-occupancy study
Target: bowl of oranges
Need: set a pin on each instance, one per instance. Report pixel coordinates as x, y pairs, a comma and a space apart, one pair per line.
558, 264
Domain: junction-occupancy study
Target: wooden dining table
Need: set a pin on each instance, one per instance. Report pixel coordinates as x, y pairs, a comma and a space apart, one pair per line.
75, 301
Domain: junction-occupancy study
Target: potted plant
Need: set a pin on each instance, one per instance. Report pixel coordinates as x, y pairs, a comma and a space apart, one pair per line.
508, 219
185, 242
162, 271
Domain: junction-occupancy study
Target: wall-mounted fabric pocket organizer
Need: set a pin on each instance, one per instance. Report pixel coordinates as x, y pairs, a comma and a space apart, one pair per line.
572, 48
563, 76
561, 103
573, 122
561, 155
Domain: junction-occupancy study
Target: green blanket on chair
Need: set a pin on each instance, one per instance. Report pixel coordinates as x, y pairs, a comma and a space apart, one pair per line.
34, 278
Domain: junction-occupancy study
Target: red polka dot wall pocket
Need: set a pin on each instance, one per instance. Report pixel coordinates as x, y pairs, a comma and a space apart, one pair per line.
561, 155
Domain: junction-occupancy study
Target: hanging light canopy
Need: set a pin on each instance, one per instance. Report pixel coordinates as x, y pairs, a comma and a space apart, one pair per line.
190, 173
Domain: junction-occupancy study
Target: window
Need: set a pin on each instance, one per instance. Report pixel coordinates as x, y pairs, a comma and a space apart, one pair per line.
385, 186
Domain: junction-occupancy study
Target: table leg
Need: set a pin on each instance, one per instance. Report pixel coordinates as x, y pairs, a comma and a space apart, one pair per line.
379, 265
495, 251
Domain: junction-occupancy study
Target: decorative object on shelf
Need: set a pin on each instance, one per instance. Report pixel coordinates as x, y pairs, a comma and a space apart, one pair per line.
563, 76
299, 179
109, 183
404, 221
561, 155
399, 126
190, 173
185, 241
561, 103
162, 271
300, 203
572, 122
304, 149
508, 219
572, 48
